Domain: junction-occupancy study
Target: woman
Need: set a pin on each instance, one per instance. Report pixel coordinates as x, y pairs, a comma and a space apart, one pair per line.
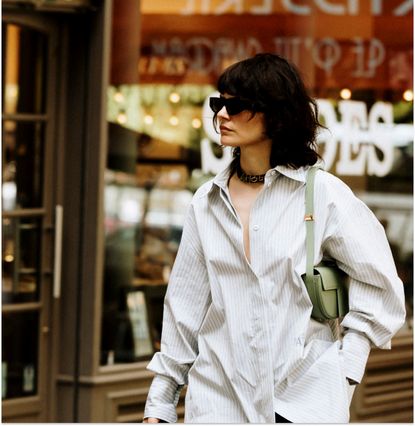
237, 326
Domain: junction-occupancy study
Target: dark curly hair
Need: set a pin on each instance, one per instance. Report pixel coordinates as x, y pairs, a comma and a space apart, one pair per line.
275, 86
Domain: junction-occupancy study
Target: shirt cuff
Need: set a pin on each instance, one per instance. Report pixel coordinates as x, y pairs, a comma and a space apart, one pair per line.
355, 352
162, 399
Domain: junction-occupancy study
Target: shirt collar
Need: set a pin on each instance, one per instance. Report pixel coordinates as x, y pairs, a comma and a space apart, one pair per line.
221, 179
300, 175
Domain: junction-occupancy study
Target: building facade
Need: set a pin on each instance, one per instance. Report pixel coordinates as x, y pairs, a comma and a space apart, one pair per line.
106, 136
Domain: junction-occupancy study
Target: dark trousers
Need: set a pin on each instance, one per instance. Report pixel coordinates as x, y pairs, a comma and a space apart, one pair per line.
280, 419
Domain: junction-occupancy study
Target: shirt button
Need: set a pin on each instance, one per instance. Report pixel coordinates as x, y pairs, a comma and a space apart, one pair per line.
274, 172
255, 227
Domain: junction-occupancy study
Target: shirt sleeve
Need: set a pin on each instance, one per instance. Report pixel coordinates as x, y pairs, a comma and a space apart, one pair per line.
185, 306
358, 243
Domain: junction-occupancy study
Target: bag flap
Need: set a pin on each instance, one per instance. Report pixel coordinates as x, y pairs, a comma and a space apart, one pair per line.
332, 278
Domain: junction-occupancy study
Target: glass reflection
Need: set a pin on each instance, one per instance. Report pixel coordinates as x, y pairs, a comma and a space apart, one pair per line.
25, 49
21, 262
23, 144
144, 215
19, 354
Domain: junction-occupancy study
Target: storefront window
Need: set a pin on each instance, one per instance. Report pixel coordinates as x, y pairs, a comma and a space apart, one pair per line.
24, 130
19, 358
21, 260
354, 62
23, 148
26, 50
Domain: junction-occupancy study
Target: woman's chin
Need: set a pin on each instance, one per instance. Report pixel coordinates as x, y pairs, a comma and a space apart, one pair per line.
227, 142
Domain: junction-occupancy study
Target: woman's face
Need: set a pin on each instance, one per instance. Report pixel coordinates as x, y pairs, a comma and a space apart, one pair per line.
241, 129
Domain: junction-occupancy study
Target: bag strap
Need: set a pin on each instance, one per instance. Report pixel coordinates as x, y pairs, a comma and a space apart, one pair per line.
309, 222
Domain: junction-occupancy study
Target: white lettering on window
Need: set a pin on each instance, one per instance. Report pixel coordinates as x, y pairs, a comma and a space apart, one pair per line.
351, 7
230, 5
331, 9
205, 55
368, 57
198, 49
264, 9
189, 9
290, 47
327, 136
295, 8
381, 139
211, 163
359, 135
364, 140
377, 7
326, 53
354, 7
352, 155
403, 8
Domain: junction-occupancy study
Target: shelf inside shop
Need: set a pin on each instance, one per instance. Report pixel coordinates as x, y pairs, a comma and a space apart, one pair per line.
386, 392
139, 282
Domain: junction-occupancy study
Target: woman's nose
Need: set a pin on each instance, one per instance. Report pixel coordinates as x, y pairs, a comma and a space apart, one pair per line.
223, 113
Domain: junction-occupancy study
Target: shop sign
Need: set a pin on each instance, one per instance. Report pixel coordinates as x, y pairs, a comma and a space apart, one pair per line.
351, 145
335, 43
176, 57
267, 7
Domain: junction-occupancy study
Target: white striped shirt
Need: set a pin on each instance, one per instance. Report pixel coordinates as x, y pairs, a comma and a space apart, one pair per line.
240, 334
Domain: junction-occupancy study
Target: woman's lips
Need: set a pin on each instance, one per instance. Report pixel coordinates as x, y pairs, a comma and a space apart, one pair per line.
224, 129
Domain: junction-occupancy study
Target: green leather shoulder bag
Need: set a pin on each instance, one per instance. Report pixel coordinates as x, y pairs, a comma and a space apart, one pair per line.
326, 284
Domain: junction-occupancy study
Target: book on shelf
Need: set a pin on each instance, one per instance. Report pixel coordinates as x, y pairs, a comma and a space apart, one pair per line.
137, 310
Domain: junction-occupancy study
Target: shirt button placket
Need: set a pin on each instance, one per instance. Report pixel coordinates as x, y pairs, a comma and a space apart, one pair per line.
261, 348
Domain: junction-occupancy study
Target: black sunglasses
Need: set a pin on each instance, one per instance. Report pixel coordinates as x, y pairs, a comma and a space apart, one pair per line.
233, 105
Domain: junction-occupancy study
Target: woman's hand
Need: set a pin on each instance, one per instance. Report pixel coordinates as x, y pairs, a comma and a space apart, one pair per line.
151, 420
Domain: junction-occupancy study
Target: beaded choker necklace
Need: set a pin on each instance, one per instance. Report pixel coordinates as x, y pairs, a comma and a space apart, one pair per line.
248, 178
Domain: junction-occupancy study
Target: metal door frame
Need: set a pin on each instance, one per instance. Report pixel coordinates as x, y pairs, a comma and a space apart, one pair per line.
42, 405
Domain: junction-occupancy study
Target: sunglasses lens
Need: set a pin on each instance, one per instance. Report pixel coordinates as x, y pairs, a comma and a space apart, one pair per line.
233, 105
216, 104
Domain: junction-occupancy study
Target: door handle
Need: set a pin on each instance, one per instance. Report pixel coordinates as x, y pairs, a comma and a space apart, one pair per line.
57, 267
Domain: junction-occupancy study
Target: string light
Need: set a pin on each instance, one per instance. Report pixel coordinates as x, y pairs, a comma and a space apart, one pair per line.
118, 97
174, 121
345, 93
408, 95
148, 119
196, 123
122, 118
174, 98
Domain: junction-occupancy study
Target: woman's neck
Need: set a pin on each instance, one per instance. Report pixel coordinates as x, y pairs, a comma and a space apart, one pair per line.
255, 160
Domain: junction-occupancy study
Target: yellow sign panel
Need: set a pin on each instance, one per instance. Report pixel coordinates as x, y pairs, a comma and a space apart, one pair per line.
268, 7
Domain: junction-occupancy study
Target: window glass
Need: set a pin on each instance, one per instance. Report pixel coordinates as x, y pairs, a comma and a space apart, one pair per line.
21, 260
354, 62
24, 49
19, 354
22, 176
24, 58
144, 216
